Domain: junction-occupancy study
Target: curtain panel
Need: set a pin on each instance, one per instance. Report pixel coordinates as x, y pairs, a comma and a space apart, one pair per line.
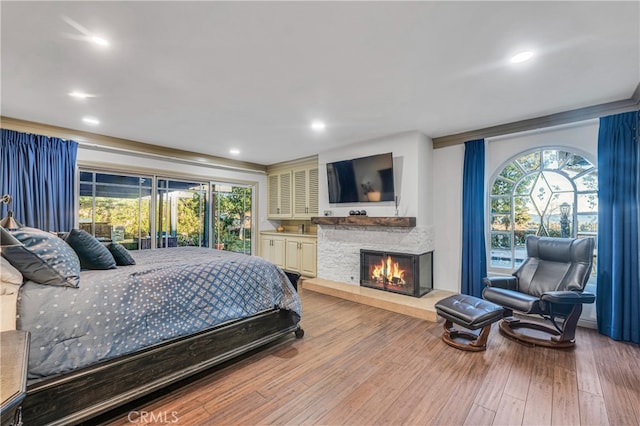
39, 173
618, 288
474, 256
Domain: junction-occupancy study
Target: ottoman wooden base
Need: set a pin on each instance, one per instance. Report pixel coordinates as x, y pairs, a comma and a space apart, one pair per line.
465, 340
471, 313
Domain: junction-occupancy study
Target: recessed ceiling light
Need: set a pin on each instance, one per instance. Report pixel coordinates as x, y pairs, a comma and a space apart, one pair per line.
91, 120
99, 41
234, 151
81, 95
521, 57
318, 126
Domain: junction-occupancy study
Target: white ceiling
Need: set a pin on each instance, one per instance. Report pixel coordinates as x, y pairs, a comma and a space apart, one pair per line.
209, 76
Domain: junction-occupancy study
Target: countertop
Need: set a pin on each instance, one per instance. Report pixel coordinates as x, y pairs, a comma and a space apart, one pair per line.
289, 234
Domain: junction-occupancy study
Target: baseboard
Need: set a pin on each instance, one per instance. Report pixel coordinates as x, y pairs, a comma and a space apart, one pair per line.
588, 323
417, 307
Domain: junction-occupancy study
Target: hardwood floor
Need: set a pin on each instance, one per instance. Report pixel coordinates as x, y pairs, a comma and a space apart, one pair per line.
360, 365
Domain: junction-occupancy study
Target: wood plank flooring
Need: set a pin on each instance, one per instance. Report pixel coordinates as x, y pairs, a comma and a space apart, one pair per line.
360, 365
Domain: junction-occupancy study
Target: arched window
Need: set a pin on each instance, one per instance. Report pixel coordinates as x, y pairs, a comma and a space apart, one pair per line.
547, 192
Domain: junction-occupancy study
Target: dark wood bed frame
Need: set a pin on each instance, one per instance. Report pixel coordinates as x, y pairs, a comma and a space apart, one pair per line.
80, 395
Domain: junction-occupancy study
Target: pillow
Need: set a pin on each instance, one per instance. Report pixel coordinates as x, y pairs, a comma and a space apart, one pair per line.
10, 278
121, 255
91, 252
44, 258
9, 274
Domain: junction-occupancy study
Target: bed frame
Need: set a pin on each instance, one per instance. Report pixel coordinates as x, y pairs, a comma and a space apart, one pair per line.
80, 395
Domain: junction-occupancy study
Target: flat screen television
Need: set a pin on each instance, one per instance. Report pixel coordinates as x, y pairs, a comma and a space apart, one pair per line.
365, 179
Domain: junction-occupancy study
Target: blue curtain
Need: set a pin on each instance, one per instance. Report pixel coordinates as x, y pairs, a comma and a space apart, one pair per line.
618, 288
39, 173
474, 256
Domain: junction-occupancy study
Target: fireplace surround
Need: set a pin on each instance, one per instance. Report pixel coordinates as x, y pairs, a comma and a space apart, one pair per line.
403, 273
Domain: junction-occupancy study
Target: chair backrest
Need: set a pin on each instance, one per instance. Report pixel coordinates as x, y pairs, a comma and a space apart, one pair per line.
555, 264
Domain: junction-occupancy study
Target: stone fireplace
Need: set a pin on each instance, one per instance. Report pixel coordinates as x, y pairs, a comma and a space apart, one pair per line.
405, 225
404, 273
339, 244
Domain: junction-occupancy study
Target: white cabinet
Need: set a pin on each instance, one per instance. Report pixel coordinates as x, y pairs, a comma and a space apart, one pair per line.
308, 258
301, 255
272, 248
279, 193
293, 193
305, 192
290, 252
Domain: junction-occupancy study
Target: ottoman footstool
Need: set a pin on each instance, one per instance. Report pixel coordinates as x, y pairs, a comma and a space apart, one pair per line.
471, 313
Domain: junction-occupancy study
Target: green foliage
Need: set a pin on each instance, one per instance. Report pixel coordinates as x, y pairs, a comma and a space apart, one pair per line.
502, 187
231, 210
191, 218
125, 212
232, 218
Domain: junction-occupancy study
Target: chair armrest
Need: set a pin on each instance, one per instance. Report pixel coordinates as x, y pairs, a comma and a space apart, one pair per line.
509, 283
567, 297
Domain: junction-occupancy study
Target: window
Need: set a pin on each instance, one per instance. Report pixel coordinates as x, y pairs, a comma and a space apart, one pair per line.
182, 213
116, 207
546, 192
232, 217
122, 208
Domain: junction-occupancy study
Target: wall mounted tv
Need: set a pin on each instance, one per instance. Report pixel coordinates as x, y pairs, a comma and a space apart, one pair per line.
365, 179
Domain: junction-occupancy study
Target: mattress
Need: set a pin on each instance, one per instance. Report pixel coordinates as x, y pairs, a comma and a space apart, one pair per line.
168, 293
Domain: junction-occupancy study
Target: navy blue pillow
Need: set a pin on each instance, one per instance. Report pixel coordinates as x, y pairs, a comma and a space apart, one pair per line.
44, 258
91, 252
121, 255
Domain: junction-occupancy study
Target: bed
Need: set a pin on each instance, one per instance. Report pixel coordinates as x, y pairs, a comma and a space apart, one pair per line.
128, 331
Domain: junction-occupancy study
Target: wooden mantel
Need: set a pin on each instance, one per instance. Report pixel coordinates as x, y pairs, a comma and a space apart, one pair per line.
390, 221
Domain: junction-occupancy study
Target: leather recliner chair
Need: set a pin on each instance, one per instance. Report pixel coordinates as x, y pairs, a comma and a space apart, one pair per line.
549, 283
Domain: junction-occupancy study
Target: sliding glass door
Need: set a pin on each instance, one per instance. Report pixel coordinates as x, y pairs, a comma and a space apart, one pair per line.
123, 209
116, 208
182, 213
232, 217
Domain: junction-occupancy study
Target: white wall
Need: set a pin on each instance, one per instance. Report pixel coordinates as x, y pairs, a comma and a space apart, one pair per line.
448, 168
447, 206
168, 167
412, 171
339, 246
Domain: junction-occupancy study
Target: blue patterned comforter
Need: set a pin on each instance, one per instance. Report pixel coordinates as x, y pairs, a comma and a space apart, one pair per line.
168, 293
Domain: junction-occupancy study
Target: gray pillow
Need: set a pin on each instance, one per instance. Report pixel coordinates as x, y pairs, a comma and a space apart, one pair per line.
43, 257
91, 252
121, 255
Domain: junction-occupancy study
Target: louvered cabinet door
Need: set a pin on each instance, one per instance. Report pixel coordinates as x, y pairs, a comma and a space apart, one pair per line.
273, 195
305, 193
300, 194
285, 195
313, 192
279, 195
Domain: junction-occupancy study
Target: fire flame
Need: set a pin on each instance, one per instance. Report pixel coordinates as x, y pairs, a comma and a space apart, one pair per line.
388, 271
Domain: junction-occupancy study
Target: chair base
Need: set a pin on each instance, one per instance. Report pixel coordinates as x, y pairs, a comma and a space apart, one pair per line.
534, 334
465, 340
